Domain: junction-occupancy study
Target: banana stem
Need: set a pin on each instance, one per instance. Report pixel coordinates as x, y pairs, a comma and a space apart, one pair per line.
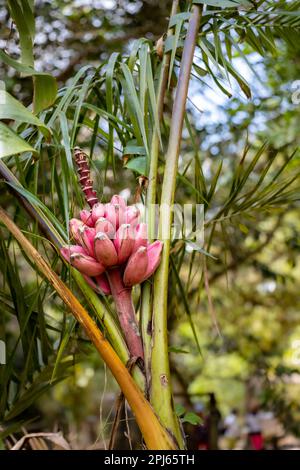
161, 391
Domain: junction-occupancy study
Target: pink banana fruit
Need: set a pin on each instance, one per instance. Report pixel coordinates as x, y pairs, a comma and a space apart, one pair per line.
104, 225
140, 236
132, 215
154, 254
74, 226
98, 211
86, 265
115, 213
124, 242
87, 235
136, 267
86, 218
119, 200
104, 249
67, 251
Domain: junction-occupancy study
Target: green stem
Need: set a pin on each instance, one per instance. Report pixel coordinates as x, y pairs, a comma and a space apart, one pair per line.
146, 294
161, 391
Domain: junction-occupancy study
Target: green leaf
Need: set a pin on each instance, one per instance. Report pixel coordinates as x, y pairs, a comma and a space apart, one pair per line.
138, 164
198, 248
245, 3
81, 95
18, 66
243, 228
134, 104
45, 86
29, 16
45, 91
10, 108
110, 117
13, 427
186, 304
170, 44
11, 143
68, 95
143, 53
132, 149
110, 100
39, 386
179, 409
62, 347
178, 18
191, 418
214, 181
20, 12
199, 70
67, 166
152, 98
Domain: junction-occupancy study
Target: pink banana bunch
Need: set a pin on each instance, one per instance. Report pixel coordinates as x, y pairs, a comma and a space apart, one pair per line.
109, 237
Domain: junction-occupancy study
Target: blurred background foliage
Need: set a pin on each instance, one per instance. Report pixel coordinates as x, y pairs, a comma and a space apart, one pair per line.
244, 303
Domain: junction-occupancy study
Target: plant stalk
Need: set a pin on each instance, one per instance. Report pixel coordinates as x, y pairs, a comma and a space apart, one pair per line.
161, 391
155, 436
146, 292
123, 300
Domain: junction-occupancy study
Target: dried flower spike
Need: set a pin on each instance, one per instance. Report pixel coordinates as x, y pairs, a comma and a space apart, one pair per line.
85, 180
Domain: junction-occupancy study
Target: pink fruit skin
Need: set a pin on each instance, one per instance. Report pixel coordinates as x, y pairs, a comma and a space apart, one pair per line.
104, 225
140, 236
103, 284
86, 265
86, 218
154, 254
105, 251
119, 200
124, 242
87, 235
132, 215
136, 267
97, 211
67, 251
115, 213
74, 226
